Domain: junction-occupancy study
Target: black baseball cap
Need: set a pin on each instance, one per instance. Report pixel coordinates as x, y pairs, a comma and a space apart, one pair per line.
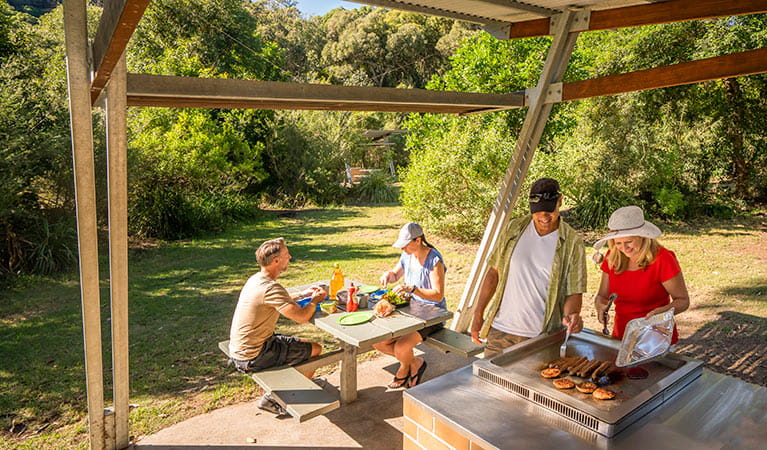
544, 195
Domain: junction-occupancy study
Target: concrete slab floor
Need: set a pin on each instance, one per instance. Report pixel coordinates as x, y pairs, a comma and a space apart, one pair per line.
374, 421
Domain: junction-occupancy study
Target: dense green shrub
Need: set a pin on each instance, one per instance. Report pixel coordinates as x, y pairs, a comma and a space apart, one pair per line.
671, 203
42, 243
597, 203
377, 187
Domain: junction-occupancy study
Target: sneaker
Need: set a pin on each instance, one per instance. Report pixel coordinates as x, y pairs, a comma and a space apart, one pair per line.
267, 403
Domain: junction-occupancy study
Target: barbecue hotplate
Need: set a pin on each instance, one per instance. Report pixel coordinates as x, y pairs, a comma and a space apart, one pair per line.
517, 370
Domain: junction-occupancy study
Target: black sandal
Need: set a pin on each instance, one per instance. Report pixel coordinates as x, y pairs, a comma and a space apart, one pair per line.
399, 382
418, 375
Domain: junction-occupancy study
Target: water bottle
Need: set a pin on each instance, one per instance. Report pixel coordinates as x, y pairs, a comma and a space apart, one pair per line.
336, 282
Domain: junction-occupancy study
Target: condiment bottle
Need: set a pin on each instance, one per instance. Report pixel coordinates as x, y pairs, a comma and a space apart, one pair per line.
351, 304
336, 282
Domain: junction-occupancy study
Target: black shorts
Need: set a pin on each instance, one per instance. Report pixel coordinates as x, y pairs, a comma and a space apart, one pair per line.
428, 331
277, 350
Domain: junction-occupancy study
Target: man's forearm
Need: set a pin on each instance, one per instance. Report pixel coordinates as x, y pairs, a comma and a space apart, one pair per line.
489, 284
573, 304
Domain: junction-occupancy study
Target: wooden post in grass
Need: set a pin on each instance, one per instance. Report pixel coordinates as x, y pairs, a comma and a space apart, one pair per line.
78, 84
117, 181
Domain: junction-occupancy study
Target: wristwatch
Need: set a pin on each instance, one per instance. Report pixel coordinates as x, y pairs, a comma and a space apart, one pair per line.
412, 289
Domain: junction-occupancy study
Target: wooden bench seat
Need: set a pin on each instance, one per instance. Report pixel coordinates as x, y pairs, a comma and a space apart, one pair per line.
449, 341
300, 396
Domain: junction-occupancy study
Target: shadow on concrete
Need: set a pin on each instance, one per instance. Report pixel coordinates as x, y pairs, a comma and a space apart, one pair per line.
374, 421
735, 344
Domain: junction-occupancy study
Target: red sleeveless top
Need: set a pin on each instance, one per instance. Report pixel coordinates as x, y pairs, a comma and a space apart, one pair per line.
641, 291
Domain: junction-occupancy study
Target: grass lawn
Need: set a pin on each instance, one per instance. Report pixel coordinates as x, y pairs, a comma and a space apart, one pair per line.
182, 296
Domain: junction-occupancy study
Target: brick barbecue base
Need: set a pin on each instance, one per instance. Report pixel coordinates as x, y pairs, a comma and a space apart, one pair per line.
423, 430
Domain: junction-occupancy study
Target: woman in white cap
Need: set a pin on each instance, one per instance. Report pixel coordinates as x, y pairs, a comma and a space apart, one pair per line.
645, 275
424, 270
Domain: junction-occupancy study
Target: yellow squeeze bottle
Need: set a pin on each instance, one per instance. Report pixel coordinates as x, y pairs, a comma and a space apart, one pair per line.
336, 282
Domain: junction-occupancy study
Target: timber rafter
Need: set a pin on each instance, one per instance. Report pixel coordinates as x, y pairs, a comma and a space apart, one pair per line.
719, 67
173, 91
655, 13
116, 26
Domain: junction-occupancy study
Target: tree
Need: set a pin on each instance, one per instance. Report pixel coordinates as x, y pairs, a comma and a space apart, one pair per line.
36, 189
378, 47
456, 163
195, 168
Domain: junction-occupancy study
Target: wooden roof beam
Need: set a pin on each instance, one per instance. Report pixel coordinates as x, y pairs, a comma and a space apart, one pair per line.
173, 91
655, 13
727, 66
116, 26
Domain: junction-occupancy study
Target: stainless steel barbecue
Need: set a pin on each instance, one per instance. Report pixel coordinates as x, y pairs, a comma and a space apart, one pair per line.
518, 371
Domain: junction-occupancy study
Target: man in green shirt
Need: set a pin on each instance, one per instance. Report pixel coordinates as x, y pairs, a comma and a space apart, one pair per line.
536, 276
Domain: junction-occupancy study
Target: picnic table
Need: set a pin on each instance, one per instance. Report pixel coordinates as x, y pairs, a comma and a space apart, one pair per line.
356, 339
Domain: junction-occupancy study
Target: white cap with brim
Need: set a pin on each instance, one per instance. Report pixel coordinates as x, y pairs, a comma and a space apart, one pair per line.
628, 221
407, 233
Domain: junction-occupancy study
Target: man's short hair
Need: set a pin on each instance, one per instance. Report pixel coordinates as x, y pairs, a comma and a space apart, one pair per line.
269, 250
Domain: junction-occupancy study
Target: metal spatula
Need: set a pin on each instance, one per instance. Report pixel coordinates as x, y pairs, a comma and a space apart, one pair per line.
563, 347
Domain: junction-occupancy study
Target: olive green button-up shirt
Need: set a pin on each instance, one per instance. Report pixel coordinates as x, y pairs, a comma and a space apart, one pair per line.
568, 272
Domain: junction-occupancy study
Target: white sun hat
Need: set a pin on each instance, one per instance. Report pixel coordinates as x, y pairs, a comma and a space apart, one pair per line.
407, 233
628, 221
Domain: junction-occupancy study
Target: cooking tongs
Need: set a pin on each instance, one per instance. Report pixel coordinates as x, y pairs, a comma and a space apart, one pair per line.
606, 313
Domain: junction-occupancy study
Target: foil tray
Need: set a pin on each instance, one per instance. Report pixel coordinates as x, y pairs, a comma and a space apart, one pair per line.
517, 370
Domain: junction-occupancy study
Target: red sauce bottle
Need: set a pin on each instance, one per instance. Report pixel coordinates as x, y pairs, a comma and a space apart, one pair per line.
351, 304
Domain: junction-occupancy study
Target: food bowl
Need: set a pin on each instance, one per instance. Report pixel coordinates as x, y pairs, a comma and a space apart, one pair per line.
329, 306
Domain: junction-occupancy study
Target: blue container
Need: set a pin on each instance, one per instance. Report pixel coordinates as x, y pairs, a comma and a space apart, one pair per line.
374, 297
304, 301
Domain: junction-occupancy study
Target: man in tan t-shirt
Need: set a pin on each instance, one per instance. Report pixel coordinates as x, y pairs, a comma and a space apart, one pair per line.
253, 344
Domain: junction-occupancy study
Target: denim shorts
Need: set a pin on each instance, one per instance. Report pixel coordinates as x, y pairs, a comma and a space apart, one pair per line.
278, 350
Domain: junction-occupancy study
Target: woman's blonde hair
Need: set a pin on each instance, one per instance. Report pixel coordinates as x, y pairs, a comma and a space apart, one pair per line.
619, 262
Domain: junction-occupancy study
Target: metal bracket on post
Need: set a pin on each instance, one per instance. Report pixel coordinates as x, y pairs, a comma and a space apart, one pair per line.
580, 21
531, 94
553, 93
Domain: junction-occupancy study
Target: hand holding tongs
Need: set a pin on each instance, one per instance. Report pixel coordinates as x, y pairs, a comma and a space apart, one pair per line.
606, 313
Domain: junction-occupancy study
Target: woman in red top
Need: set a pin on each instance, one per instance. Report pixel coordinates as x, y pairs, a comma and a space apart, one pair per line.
645, 275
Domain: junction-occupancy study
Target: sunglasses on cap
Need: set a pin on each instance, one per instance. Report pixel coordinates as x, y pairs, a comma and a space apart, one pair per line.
544, 196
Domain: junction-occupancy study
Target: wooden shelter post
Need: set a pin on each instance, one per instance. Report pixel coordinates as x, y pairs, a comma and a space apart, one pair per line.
117, 182
78, 83
542, 98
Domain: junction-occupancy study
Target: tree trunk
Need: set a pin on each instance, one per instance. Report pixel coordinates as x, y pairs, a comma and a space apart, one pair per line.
735, 131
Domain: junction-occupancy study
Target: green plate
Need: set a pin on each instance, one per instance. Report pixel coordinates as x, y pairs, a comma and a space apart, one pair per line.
355, 318
368, 289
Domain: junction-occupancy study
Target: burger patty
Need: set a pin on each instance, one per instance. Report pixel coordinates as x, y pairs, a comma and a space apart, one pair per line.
603, 394
586, 387
550, 372
563, 383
